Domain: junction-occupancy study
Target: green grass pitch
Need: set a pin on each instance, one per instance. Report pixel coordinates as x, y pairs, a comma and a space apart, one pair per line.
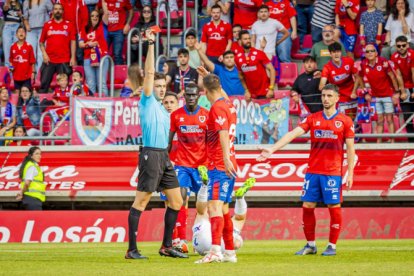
355, 257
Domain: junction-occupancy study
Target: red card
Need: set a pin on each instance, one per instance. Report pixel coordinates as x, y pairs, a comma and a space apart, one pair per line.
155, 29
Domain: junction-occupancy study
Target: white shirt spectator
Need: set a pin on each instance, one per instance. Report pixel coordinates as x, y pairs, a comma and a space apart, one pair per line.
395, 27
269, 30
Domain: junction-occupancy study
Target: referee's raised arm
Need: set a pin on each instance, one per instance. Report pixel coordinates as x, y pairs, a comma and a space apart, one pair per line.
149, 64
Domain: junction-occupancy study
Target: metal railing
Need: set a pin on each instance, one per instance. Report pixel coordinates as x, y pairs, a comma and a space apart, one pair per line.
196, 16
157, 42
158, 61
132, 32
112, 80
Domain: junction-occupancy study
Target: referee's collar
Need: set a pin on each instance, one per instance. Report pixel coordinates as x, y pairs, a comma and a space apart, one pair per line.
191, 113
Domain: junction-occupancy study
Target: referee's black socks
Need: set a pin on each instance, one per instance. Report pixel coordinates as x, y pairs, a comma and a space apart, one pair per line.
170, 219
133, 220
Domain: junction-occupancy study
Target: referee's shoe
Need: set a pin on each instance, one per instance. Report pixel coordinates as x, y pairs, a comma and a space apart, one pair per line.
171, 252
134, 254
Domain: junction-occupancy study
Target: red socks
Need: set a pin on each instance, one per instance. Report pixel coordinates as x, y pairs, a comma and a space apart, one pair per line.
309, 223
335, 225
182, 223
217, 225
228, 232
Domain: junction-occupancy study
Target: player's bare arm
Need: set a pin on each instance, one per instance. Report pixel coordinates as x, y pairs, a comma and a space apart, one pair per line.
350, 151
149, 65
286, 139
322, 83
170, 140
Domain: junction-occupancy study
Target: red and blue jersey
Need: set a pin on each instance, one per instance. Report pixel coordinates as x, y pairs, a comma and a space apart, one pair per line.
190, 128
327, 141
222, 116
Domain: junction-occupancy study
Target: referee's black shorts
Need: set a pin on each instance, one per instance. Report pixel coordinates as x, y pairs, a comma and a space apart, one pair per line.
156, 172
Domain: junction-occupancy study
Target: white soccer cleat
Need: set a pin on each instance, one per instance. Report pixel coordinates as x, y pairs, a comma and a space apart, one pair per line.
211, 257
229, 257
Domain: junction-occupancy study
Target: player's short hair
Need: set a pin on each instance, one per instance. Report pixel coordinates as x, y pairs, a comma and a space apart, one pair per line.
331, 87
336, 46
61, 76
229, 52
172, 94
401, 38
191, 86
243, 32
159, 76
263, 7
309, 58
183, 51
211, 82
215, 6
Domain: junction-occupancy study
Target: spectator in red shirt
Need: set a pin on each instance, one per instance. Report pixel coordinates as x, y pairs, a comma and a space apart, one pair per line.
217, 36
79, 88
76, 12
404, 65
58, 45
93, 41
28, 111
346, 12
20, 131
283, 11
236, 46
379, 76
245, 12
254, 68
22, 61
120, 14
61, 94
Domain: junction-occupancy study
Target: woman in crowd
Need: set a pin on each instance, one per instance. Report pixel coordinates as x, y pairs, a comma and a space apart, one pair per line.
400, 22
35, 15
146, 20
20, 131
133, 83
12, 12
28, 111
32, 188
94, 43
7, 114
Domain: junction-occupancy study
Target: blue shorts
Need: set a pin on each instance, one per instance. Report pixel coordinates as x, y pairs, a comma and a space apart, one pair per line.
220, 186
348, 40
188, 178
322, 188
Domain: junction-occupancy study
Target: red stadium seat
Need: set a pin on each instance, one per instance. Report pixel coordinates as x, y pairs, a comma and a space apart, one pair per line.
307, 44
135, 18
121, 74
288, 74
175, 31
4, 77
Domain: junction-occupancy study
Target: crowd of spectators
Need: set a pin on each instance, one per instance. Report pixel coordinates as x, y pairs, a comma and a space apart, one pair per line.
364, 47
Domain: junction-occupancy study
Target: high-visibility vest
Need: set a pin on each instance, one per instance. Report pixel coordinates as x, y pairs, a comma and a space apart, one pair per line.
37, 187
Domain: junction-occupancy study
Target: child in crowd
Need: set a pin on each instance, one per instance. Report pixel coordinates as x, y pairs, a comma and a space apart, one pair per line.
80, 88
371, 25
61, 95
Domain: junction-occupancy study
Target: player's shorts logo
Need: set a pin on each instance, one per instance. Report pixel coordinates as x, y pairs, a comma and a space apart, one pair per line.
331, 183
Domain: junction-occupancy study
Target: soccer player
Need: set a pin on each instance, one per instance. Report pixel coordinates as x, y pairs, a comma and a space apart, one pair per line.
222, 165
342, 72
202, 227
156, 172
329, 130
189, 124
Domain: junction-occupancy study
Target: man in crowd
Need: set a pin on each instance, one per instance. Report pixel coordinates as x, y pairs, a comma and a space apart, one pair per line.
342, 72
306, 86
346, 12
156, 172
190, 42
228, 73
329, 131
254, 68
403, 61
183, 74
217, 36
58, 45
379, 76
265, 31
324, 14
222, 166
283, 11
236, 46
320, 51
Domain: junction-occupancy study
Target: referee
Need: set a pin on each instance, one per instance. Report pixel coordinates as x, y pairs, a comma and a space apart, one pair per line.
156, 172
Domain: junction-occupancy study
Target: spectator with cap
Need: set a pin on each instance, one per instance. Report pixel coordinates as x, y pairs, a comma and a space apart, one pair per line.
190, 42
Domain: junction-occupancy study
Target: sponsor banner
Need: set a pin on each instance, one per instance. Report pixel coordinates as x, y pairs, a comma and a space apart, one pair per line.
382, 170
261, 224
115, 121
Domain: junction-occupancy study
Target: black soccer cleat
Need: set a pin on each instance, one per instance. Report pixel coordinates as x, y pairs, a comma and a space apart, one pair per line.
135, 254
171, 252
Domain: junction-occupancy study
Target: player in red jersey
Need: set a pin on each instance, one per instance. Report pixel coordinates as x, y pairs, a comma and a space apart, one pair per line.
342, 72
254, 68
379, 76
403, 61
23, 61
329, 130
222, 166
189, 125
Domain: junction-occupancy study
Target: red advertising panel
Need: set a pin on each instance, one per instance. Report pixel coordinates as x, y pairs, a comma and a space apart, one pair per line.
261, 224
